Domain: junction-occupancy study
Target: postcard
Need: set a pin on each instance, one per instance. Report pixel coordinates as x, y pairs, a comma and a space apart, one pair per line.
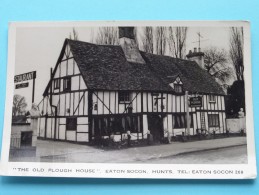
129, 99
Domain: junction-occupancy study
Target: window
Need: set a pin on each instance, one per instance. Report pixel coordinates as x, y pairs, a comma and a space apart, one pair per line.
178, 88
124, 97
103, 126
71, 124
56, 84
179, 121
67, 84
213, 120
212, 98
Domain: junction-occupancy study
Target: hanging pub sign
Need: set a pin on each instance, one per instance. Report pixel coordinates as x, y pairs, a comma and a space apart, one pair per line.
22, 85
196, 102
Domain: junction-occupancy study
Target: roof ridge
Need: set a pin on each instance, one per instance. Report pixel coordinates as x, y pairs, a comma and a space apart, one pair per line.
86, 42
167, 56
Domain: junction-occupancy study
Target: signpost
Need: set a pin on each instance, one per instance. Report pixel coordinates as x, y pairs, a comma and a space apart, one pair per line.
25, 77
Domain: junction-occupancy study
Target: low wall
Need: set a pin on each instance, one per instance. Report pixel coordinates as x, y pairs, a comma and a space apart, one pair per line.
18, 128
235, 125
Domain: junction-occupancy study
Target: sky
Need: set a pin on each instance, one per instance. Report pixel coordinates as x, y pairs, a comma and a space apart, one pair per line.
38, 48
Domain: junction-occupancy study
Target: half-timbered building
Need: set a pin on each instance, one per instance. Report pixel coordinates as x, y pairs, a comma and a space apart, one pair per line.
98, 90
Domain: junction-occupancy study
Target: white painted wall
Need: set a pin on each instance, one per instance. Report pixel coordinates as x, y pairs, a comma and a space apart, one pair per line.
172, 103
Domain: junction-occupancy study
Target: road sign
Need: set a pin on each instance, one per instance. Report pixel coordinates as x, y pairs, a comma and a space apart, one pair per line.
196, 102
22, 85
25, 77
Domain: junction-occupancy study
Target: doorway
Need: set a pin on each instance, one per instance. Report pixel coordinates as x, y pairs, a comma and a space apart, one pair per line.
26, 138
156, 127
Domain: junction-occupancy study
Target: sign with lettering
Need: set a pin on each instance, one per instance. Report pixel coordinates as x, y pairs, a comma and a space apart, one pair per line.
22, 85
25, 77
196, 102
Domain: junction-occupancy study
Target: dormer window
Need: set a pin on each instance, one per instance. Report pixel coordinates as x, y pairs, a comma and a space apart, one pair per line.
124, 97
67, 84
178, 88
177, 85
212, 98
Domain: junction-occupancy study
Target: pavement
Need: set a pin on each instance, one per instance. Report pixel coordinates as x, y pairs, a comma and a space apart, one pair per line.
55, 151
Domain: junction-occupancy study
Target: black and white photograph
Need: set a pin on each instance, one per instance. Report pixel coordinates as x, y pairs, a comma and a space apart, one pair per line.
154, 93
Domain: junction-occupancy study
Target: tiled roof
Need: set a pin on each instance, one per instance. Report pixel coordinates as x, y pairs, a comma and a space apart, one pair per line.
104, 67
194, 78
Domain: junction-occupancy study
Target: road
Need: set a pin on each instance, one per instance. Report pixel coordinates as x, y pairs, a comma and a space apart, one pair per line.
233, 151
219, 156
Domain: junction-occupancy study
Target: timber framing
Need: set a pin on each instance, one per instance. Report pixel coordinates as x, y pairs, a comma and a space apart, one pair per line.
98, 112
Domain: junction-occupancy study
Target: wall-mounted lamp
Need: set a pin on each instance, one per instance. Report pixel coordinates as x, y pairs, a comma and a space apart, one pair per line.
95, 105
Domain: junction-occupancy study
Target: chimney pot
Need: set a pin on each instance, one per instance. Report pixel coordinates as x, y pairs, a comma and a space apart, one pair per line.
195, 50
190, 51
199, 49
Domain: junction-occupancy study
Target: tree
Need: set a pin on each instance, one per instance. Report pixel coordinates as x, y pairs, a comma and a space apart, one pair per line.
177, 40
236, 93
236, 51
19, 105
148, 40
107, 36
160, 40
215, 62
73, 35
236, 98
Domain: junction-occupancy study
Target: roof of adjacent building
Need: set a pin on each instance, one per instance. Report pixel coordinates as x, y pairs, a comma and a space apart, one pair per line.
104, 67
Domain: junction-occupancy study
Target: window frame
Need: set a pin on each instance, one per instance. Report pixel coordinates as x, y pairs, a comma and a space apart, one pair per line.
66, 81
68, 125
183, 124
215, 121
123, 94
116, 124
56, 83
212, 98
180, 87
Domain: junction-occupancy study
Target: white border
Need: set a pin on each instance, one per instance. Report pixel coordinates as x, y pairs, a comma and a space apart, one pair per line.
10, 168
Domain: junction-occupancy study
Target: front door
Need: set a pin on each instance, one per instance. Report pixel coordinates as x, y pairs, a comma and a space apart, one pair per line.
155, 126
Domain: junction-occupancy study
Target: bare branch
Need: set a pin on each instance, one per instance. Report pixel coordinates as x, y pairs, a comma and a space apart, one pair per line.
19, 105
177, 40
161, 40
236, 51
213, 57
148, 40
215, 62
73, 35
107, 36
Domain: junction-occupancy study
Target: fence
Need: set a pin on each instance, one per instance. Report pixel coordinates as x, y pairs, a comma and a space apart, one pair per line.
15, 141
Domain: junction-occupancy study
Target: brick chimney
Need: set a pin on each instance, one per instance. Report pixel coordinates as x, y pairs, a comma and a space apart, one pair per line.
197, 56
129, 46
